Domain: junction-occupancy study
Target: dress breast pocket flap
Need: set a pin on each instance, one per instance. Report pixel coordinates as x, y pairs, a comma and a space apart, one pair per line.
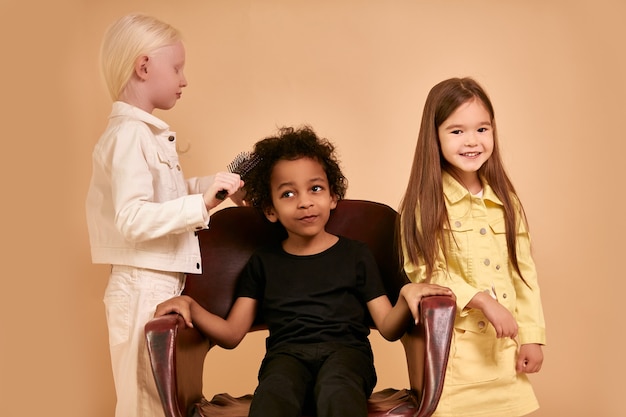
497, 226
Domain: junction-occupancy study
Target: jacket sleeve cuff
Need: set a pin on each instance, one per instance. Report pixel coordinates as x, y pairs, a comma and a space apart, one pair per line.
195, 212
533, 334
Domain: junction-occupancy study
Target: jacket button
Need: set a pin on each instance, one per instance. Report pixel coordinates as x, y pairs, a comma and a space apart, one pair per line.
504, 295
487, 262
481, 324
457, 223
483, 231
172, 138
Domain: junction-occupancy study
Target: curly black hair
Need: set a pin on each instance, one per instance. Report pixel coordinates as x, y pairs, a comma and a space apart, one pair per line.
291, 144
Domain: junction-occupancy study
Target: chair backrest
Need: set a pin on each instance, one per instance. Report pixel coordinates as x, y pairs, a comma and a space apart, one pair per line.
235, 232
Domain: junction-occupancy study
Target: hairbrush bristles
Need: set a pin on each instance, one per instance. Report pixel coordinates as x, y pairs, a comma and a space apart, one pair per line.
243, 163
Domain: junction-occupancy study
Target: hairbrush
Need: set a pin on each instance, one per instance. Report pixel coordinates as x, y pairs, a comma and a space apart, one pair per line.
243, 163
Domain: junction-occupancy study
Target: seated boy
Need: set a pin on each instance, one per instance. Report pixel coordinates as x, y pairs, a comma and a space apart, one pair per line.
314, 290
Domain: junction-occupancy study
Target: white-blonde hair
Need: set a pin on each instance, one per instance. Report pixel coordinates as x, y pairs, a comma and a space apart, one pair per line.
127, 39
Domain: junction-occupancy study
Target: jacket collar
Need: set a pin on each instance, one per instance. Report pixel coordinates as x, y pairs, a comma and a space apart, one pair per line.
455, 192
122, 109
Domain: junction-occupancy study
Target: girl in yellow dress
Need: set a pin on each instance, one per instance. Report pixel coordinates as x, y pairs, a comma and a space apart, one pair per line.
463, 227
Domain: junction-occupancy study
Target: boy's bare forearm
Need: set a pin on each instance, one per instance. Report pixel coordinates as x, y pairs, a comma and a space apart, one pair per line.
406, 309
228, 332
397, 321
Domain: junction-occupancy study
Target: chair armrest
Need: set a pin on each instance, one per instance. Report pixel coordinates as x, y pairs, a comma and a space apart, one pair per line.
176, 349
427, 346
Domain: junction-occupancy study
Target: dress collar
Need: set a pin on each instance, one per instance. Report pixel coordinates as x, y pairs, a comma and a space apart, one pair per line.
455, 192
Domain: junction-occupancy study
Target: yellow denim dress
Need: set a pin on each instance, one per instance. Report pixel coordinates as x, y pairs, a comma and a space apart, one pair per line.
481, 379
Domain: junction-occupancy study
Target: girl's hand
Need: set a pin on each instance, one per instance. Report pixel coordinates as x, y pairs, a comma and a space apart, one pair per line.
529, 359
501, 318
227, 181
414, 292
180, 305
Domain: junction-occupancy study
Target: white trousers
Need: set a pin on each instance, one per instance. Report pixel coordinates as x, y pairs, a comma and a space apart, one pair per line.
130, 299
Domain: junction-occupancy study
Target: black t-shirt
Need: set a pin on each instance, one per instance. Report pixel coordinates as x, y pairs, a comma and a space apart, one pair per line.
314, 298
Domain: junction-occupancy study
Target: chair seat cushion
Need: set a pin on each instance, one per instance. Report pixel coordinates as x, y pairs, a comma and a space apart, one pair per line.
388, 402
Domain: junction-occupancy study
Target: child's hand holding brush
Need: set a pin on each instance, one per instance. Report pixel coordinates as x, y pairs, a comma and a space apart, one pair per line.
228, 184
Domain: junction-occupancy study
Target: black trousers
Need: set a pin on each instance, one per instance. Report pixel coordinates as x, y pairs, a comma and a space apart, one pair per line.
320, 379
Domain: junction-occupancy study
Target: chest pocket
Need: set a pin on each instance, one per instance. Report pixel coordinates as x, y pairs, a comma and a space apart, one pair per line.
168, 178
498, 228
459, 243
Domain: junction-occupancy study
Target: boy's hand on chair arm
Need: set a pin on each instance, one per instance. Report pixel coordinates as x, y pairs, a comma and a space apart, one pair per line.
414, 292
180, 305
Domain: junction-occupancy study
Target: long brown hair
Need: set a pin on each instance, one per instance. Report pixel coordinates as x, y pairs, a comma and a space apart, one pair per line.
424, 194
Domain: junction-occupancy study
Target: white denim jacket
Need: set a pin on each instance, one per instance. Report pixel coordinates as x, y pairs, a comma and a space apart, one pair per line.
141, 212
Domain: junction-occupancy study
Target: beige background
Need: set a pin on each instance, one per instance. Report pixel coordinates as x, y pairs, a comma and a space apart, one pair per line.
358, 71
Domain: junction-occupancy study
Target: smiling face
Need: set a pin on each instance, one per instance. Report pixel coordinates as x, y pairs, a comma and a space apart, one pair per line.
301, 200
466, 139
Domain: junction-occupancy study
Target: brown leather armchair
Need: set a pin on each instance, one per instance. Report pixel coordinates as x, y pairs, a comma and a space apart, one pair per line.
177, 352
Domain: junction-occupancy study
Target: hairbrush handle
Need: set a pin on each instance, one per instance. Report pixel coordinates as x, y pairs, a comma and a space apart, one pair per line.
221, 194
